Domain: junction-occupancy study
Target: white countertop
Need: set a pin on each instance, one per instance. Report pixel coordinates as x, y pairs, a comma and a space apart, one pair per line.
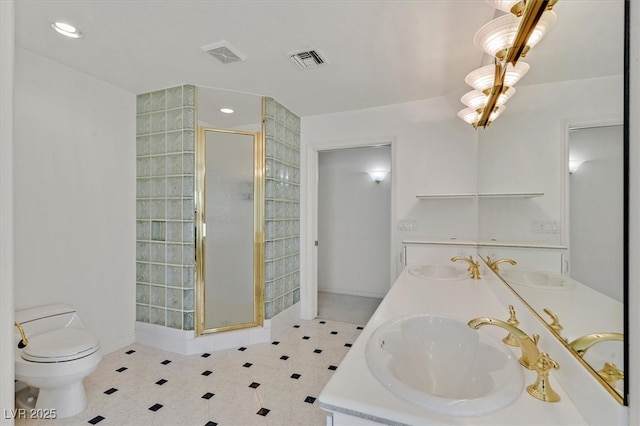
353, 390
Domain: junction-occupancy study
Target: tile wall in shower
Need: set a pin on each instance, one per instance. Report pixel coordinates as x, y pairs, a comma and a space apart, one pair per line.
165, 240
282, 208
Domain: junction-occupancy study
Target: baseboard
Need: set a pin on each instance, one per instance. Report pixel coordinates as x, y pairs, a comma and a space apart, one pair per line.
283, 321
375, 295
119, 344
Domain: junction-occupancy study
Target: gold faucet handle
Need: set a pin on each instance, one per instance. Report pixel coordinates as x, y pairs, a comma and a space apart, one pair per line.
510, 339
541, 389
474, 266
555, 322
610, 373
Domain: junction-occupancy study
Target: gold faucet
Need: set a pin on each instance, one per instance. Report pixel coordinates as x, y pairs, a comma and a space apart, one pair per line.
555, 322
541, 389
24, 342
493, 264
528, 345
582, 344
474, 267
611, 374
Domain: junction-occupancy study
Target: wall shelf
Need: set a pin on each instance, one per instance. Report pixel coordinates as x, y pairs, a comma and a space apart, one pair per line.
481, 195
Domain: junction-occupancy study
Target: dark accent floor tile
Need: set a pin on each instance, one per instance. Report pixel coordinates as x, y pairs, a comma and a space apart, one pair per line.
121, 369
317, 351
323, 322
130, 352
205, 355
348, 345
275, 343
296, 326
166, 361
295, 376
210, 423
156, 407
254, 385
242, 349
96, 420
206, 372
161, 382
208, 395
247, 364
334, 332
310, 399
306, 338
359, 328
333, 367
110, 391
284, 357
263, 411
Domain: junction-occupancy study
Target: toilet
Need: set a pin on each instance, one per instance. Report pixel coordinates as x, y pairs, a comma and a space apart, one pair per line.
60, 352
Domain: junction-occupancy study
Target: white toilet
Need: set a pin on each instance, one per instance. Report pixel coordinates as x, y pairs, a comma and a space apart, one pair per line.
59, 354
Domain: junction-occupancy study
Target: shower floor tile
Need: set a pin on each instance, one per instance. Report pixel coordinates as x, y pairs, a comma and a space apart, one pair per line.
264, 384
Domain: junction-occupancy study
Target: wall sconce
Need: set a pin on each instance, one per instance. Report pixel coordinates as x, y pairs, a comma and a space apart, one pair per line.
506, 38
378, 175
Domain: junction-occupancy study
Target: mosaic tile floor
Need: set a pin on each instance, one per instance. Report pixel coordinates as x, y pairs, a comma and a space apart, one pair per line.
274, 383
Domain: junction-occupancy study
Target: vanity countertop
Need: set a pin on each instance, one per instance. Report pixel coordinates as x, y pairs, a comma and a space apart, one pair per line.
355, 395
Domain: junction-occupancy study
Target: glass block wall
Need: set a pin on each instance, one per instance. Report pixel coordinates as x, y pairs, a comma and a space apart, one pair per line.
282, 208
165, 240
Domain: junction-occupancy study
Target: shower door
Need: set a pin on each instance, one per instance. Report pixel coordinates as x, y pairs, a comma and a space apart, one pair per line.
229, 221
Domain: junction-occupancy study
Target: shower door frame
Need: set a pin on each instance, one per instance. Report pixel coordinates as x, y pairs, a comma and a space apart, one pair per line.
258, 231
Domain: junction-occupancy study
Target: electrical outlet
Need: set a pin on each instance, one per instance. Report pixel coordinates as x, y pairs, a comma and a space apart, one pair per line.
545, 226
407, 225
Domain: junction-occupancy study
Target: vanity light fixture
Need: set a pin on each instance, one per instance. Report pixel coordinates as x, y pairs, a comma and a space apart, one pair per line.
66, 29
227, 110
507, 38
378, 175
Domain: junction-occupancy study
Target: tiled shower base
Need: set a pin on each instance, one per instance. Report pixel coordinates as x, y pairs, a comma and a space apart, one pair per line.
274, 383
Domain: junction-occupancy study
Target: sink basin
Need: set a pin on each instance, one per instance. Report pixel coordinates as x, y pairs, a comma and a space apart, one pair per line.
538, 279
444, 366
439, 272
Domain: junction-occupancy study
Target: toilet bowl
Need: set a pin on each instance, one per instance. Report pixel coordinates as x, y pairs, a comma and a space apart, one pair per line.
58, 355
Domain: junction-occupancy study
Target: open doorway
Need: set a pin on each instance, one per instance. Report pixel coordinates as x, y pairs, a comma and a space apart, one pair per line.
354, 198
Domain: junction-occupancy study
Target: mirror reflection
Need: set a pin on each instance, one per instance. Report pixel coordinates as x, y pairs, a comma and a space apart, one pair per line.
561, 223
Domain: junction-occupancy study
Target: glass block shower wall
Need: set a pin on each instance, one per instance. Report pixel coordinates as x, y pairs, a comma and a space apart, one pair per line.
165, 240
282, 208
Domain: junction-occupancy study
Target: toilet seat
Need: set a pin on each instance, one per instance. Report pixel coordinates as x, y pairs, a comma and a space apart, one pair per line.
64, 344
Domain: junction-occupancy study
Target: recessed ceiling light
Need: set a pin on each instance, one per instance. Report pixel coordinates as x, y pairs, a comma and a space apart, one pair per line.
226, 110
66, 29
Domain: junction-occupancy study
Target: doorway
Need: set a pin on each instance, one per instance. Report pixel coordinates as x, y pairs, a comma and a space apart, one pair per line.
354, 193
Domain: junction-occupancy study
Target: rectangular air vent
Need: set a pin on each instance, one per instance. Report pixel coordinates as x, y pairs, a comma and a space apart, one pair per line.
307, 59
224, 52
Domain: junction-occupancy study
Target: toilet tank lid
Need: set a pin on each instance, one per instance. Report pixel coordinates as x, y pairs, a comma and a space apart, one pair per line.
43, 311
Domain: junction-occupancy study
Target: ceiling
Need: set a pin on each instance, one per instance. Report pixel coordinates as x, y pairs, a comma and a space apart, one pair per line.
377, 52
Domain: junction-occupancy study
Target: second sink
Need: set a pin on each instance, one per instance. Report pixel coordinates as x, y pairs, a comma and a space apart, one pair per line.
444, 366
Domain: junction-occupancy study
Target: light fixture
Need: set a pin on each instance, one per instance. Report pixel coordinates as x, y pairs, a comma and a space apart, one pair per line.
227, 110
66, 29
378, 175
574, 165
499, 35
506, 38
482, 79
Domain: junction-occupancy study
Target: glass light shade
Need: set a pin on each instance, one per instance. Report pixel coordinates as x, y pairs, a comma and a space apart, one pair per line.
472, 116
504, 5
476, 99
482, 78
378, 175
498, 35
67, 30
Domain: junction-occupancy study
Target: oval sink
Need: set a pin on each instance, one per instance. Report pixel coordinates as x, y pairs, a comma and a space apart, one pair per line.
439, 272
443, 365
538, 279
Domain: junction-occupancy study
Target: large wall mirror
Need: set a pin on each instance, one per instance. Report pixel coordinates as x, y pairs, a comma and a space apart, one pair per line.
564, 225
229, 205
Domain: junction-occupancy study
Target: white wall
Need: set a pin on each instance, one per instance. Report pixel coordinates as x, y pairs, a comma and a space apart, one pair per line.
7, 28
75, 196
354, 220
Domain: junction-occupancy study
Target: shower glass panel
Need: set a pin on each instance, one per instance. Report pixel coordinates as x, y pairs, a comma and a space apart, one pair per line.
228, 210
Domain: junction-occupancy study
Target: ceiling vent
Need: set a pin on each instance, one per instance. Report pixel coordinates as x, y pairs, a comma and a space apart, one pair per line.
224, 52
307, 59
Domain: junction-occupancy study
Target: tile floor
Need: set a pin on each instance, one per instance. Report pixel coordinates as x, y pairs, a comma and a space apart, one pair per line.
274, 383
